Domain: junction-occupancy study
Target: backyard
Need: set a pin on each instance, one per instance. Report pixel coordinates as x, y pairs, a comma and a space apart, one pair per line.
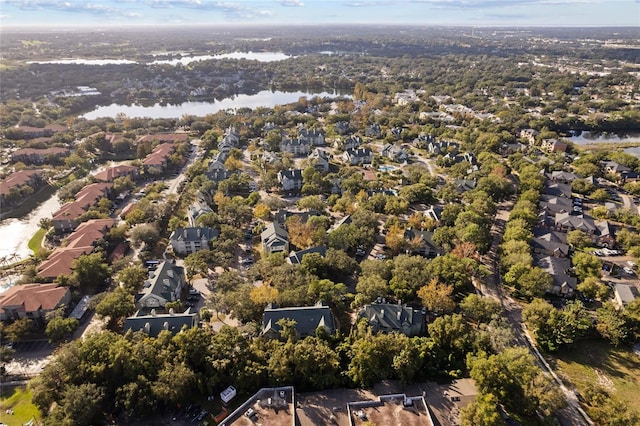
16, 407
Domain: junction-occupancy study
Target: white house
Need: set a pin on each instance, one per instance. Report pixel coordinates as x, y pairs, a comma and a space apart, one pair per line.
190, 240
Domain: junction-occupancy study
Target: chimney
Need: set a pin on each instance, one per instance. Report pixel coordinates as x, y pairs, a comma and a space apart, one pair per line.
170, 311
153, 312
399, 315
382, 313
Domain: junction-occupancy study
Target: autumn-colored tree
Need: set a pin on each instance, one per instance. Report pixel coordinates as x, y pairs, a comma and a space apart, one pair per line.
264, 294
262, 211
465, 249
300, 234
395, 239
437, 297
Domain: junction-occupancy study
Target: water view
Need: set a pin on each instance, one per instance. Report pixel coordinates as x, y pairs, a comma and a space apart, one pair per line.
78, 61
265, 98
252, 56
585, 138
16, 233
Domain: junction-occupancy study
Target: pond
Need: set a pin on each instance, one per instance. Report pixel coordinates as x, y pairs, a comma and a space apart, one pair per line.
265, 98
585, 138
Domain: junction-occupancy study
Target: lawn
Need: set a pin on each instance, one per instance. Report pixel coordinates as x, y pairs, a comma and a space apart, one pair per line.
596, 362
36, 241
17, 399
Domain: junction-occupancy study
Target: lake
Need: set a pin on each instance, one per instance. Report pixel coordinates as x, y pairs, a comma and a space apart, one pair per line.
16, 233
265, 98
184, 59
585, 138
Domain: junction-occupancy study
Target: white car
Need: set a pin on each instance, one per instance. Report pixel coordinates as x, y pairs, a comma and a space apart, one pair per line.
628, 270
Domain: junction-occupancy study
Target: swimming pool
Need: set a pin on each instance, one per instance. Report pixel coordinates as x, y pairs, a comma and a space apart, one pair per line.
387, 168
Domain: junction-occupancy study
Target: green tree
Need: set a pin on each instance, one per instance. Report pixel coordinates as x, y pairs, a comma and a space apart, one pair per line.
131, 277
612, 324
437, 297
116, 305
480, 309
483, 411
578, 239
58, 328
593, 288
90, 271
586, 265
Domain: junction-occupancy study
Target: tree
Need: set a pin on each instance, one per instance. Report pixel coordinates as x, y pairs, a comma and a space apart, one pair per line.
370, 287
90, 271
480, 309
59, 327
483, 411
80, 405
437, 297
409, 273
116, 305
593, 288
578, 239
131, 277
146, 233
515, 251
262, 211
612, 324
586, 265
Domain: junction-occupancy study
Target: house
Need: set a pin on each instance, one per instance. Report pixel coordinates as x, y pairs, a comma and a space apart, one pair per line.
604, 235
563, 284
153, 323
555, 204
342, 127
282, 215
549, 243
373, 131
625, 294
225, 146
111, 173
39, 155
422, 243
32, 301
352, 142
297, 146
434, 213
554, 145
232, 135
19, 185
319, 159
66, 219
388, 317
611, 167
565, 222
290, 179
197, 209
274, 239
218, 162
443, 147
158, 159
464, 185
395, 153
561, 176
529, 135
315, 137
164, 285
558, 189
308, 319
295, 257
358, 156
190, 240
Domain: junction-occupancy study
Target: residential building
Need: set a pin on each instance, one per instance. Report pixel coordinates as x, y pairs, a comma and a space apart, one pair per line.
158, 160
555, 204
319, 159
565, 222
549, 243
373, 131
295, 257
170, 138
529, 135
14, 188
274, 239
554, 145
604, 235
164, 285
308, 319
395, 153
32, 301
434, 212
218, 162
563, 284
625, 294
185, 241
352, 142
315, 137
297, 146
282, 215
111, 173
290, 179
154, 323
388, 317
558, 189
421, 243
358, 156
197, 209
563, 177
39, 155
66, 218
464, 185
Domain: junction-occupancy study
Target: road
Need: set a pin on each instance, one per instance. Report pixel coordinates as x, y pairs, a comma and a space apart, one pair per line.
573, 414
627, 202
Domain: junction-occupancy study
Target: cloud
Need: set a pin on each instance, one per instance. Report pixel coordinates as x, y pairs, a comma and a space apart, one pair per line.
86, 7
230, 9
483, 4
371, 3
290, 3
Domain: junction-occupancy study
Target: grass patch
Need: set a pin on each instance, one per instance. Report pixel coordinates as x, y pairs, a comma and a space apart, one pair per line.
596, 362
17, 399
36, 241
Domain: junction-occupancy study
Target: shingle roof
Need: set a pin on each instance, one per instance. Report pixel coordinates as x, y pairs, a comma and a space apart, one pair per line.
153, 323
33, 297
307, 318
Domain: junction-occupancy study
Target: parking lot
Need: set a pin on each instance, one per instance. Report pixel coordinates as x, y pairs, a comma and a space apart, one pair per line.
29, 358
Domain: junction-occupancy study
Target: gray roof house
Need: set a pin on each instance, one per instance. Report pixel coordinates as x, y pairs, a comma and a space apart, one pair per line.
434, 212
352, 142
282, 215
319, 159
152, 324
290, 179
625, 294
395, 153
549, 243
197, 209
563, 177
164, 285
316, 137
275, 239
387, 318
307, 318
563, 284
190, 240
297, 146
554, 204
426, 245
295, 257
558, 189
565, 222
358, 156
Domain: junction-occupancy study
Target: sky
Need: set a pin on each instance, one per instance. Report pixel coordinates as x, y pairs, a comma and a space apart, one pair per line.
157, 13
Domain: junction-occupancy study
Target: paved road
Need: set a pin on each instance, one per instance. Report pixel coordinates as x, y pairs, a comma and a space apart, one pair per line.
571, 415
